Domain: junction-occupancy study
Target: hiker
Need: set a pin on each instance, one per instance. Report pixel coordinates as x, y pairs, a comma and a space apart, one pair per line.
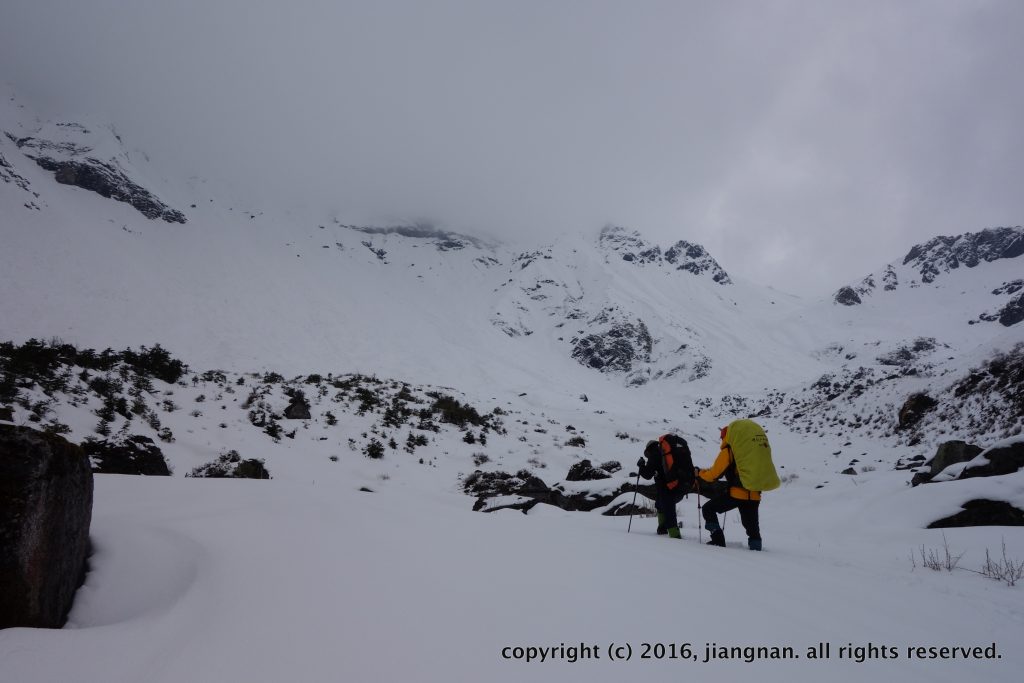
668, 461
745, 459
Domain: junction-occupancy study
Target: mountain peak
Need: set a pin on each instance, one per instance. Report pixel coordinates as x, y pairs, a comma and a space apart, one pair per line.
683, 255
943, 253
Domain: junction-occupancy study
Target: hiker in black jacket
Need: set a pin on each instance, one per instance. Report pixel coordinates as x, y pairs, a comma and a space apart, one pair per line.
668, 462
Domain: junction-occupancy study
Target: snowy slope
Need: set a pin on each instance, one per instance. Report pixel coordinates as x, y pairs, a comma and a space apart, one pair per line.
604, 337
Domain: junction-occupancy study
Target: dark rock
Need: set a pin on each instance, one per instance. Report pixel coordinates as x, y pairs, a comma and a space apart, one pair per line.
950, 453
585, 471
914, 408
982, 512
908, 353
611, 466
6, 414
849, 470
46, 492
625, 509
298, 408
1011, 287
943, 254
618, 349
695, 259
134, 455
108, 181
920, 478
230, 465
1001, 460
1013, 312
847, 297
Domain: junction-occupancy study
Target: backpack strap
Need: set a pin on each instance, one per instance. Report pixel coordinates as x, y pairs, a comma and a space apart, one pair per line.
668, 462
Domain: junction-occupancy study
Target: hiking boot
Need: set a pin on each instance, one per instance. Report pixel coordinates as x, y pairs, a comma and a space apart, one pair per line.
673, 532
661, 524
754, 543
717, 538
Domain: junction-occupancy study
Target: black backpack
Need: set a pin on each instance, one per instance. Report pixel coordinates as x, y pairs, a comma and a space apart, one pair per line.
676, 463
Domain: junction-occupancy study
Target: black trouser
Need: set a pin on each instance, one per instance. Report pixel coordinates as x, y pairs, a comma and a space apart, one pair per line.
724, 503
665, 503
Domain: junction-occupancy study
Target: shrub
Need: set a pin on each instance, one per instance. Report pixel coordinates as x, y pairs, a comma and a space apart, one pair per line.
230, 465
374, 449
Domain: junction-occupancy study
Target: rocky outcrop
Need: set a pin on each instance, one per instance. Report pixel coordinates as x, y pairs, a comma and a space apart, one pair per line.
618, 348
46, 491
948, 453
633, 248
943, 254
585, 471
1013, 312
695, 259
914, 408
133, 455
108, 181
998, 460
298, 407
523, 490
982, 512
847, 297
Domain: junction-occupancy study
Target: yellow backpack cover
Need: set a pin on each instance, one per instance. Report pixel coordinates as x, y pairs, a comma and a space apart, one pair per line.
752, 454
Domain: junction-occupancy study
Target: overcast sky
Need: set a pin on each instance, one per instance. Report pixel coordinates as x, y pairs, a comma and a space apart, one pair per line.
804, 143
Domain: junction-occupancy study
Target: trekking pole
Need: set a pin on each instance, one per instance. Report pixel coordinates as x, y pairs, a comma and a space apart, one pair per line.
700, 527
632, 507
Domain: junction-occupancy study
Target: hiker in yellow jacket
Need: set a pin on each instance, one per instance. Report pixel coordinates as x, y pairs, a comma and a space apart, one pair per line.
745, 456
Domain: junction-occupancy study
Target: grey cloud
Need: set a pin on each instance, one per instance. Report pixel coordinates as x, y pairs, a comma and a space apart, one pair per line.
803, 143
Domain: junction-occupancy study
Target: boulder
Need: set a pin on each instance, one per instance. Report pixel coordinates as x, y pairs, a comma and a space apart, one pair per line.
847, 296
46, 491
298, 408
1013, 312
133, 455
950, 453
1001, 460
914, 408
585, 471
982, 512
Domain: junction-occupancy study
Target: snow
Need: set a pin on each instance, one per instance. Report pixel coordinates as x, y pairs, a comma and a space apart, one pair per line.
219, 580
307, 578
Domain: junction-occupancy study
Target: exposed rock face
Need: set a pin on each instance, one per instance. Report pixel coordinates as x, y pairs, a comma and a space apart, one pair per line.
1013, 312
695, 259
107, 181
982, 512
914, 409
847, 297
134, 455
682, 255
619, 348
45, 510
9, 175
943, 254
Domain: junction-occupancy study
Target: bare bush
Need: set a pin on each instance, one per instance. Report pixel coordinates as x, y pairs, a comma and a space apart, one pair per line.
936, 559
1004, 569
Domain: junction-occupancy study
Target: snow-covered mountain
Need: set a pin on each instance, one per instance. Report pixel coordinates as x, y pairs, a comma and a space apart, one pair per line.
445, 372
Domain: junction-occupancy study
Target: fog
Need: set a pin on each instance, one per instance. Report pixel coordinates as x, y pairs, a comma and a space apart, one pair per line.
804, 144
